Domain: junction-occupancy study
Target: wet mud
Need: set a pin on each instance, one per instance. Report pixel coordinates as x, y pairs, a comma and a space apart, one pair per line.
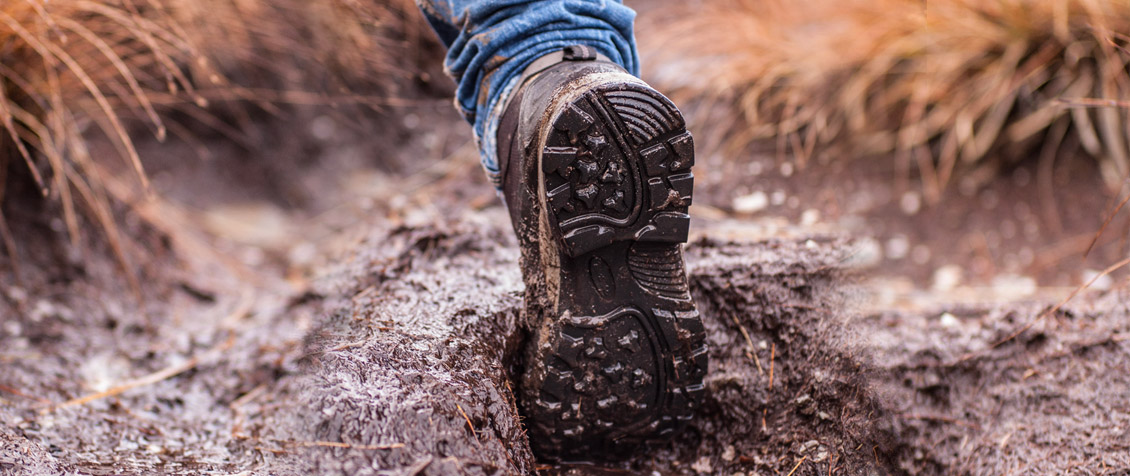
971, 394
409, 368
399, 360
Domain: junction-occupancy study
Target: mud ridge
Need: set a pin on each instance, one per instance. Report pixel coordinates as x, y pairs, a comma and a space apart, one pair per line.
412, 366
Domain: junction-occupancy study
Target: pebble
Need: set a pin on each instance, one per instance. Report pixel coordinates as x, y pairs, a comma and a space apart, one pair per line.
810, 217
948, 320
821, 454
323, 128
411, 121
866, 253
947, 278
703, 466
41, 310
13, 328
728, 454
1014, 287
898, 247
303, 254
751, 203
1102, 283
17, 294
818, 375
787, 169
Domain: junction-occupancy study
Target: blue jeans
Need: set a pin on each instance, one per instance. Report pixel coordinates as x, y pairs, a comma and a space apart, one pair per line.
490, 42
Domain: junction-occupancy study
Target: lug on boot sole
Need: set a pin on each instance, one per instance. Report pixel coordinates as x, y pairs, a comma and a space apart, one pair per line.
627, 355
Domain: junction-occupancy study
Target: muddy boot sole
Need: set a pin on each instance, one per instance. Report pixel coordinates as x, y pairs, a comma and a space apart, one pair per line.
623, 359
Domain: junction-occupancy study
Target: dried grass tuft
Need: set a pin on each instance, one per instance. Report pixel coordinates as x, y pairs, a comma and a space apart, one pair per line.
950, 87
71, 69
67, 68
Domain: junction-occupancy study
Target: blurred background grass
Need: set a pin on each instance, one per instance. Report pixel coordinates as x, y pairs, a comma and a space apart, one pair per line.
939, 92
73, 71
947, 88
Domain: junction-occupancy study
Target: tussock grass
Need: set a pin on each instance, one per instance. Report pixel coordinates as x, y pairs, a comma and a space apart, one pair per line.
67, 68
71, 69
948, 87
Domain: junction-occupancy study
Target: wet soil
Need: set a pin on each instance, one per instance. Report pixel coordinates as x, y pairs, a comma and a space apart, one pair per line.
397, 361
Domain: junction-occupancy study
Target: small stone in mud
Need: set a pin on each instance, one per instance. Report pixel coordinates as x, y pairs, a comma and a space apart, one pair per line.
806, 404
947, 278
728, 453
810, 217
1102, 282
703, 466
819, 375
17, 294
752, 203
867, 253
820, 455
898, 247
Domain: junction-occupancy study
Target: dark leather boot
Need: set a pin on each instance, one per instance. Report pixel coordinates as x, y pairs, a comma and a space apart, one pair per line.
597, 176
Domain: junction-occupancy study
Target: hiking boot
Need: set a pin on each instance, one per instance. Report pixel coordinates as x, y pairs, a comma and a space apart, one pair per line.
596, 169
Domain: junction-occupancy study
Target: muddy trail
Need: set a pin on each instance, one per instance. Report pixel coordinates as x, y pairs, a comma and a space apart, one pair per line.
398, 359
343, 297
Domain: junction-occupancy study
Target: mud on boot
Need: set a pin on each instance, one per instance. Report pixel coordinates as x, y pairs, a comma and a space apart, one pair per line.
597, 177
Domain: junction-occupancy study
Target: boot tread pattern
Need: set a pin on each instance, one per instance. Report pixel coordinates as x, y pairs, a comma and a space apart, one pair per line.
617, 183
606, 185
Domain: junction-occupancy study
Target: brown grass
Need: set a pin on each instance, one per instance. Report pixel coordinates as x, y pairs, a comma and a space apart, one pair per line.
67, 68
74, 69
945, 86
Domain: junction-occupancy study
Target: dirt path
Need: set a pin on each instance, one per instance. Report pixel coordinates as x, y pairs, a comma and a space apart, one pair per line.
396, 361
